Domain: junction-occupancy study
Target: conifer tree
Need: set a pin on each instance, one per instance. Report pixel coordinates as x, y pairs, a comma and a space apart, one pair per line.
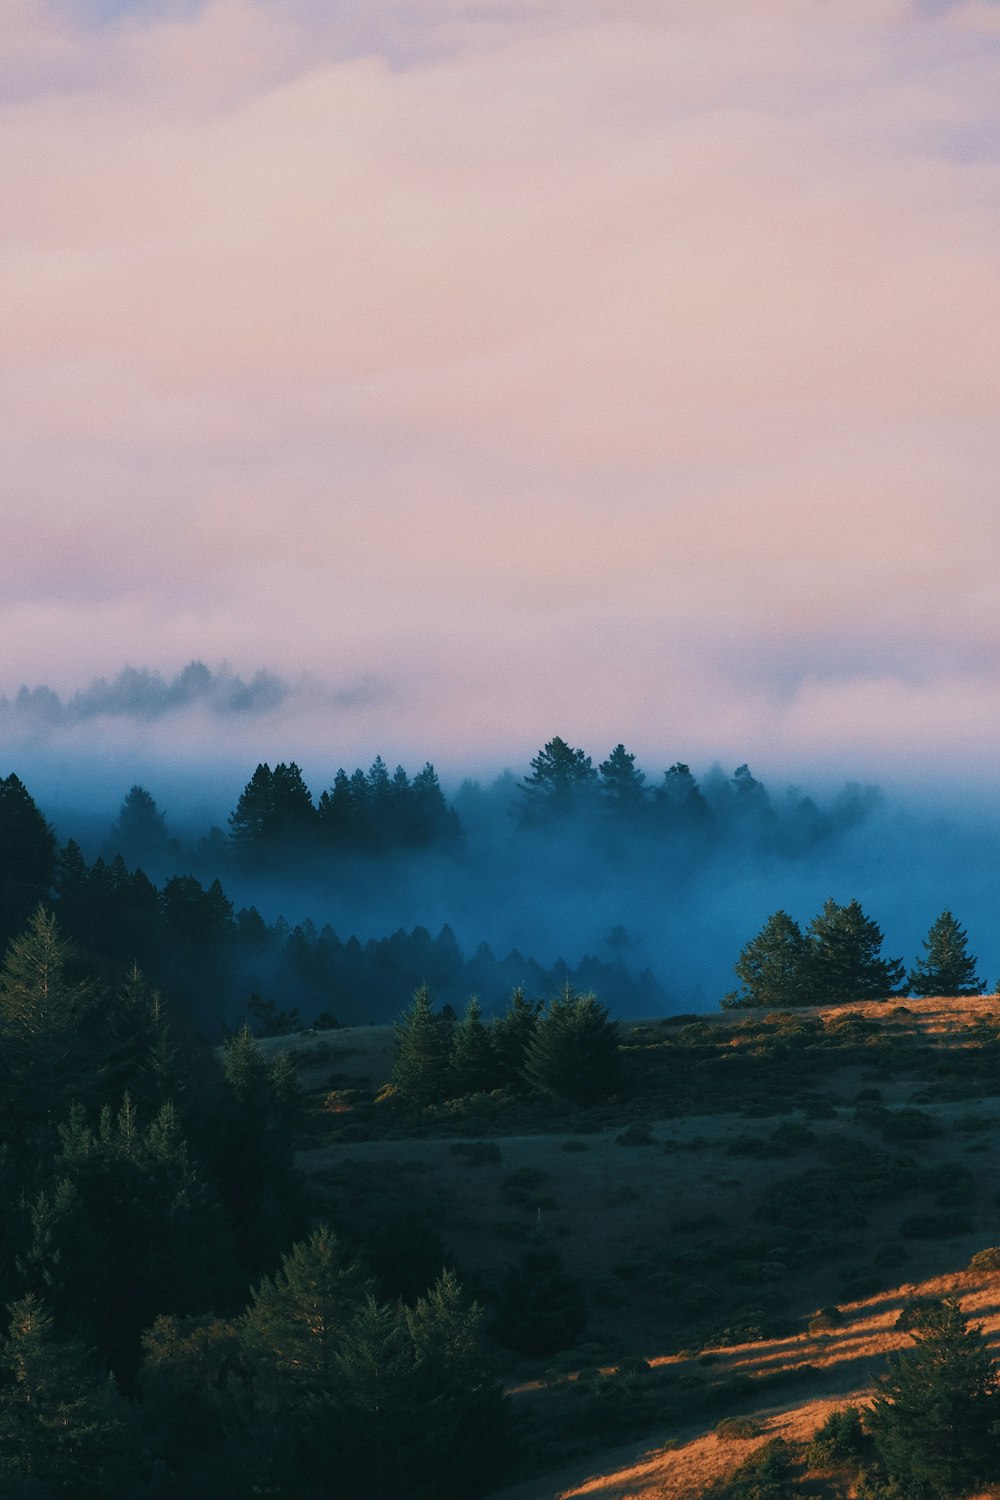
46, 1048
622, 784
64, 1428
947, 967
27, 857
473, 1062
844, 960
422, 1070
574, 1052
297, 1317
560, 779
512, 1035
935, 1420
772, 967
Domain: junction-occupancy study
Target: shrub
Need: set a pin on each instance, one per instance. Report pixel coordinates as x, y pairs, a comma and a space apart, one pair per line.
573, 1145
738, 1427
986, 1260
840, 1440
638, 1133
909, 1125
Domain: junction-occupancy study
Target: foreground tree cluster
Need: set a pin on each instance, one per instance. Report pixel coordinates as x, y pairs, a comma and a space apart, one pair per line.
839, 959
173, 1326
568, 1049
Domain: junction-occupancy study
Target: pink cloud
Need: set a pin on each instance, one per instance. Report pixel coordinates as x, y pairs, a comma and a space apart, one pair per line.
534, 356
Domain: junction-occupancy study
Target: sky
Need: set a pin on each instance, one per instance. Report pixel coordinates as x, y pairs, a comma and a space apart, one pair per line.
479, 372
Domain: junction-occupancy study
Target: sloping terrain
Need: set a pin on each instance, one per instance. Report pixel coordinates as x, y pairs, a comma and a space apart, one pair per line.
746, 1220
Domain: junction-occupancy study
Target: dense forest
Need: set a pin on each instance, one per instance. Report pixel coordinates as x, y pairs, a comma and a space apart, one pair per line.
332, 906
192, 1311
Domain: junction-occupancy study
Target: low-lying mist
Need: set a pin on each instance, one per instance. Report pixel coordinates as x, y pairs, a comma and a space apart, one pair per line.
680, 902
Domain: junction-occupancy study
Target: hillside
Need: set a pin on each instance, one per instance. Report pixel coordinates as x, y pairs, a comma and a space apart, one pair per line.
746, 1220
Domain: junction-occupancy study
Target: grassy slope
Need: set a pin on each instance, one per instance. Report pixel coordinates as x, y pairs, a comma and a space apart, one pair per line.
643, 1225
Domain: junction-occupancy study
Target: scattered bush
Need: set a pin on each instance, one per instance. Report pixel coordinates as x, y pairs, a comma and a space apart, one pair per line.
840, 1440
738, 1427
986, 1260
573, 1145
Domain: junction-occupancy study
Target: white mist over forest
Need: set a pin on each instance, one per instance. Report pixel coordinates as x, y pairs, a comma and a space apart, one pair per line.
679, 905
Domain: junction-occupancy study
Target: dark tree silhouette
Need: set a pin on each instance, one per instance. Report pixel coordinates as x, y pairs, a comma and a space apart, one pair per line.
560, 777
574, 1051
947, 967
844, 962
772, 968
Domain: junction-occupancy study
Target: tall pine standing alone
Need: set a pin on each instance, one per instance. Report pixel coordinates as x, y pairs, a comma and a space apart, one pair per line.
947, 968
935, 1420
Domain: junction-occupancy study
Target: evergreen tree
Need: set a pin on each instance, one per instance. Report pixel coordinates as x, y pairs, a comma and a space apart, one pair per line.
622, 783
27, 858
772, 967
681, 802
947, 968
574, 1052
462, 1444
46, 1036
935, 1419
512, 1035
473, 1062
844, 962
422, 1070
64, 1428
274, 808
559, 781
140, 831
293, 1328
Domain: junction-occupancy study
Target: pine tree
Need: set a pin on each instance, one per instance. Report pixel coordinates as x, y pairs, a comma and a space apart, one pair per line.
472, 1052
297, 1317
772, 966
844, 962
935, 1420
45, 1049
512, 1034
574, 1052
622, 784
27, 858
559, 781
422, 1070
64, 1428
947, 968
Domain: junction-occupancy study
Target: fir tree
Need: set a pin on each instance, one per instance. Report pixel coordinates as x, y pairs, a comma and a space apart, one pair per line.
935, 1420
947, 968
512, 1035
64, 1428
574, 1052
473, 1062
46, 1043
772, 966
422, 1070
560, 779
844, 958
297, 1318
622, 784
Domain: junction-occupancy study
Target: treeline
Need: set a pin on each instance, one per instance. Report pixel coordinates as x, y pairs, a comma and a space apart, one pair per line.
175, 1325
278, 825
838, 959
227, 964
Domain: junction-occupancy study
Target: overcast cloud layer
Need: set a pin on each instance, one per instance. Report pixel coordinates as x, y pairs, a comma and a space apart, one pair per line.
620, 370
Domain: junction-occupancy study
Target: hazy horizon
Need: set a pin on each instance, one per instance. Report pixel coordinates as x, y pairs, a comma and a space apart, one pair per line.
490, 372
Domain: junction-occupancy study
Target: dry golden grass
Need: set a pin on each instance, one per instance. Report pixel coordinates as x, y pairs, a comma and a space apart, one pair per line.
606, 1205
